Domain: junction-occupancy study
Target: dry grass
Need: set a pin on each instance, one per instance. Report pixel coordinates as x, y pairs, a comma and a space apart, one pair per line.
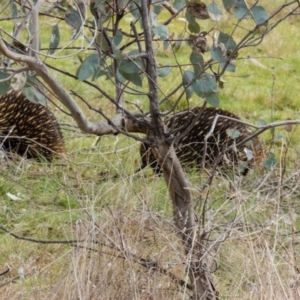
128, 246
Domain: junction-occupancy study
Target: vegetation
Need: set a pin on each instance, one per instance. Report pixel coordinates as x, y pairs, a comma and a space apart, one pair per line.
88, 227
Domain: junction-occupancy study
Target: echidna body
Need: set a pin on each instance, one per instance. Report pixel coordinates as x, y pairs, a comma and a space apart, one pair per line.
190, 146
28, 129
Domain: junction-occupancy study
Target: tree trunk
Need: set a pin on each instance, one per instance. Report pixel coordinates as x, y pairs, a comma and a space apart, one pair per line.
184, 218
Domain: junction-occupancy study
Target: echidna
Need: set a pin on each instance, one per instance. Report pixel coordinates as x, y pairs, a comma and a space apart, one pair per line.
190, 146
28, 129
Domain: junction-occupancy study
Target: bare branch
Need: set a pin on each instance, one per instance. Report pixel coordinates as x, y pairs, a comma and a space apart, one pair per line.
78, 115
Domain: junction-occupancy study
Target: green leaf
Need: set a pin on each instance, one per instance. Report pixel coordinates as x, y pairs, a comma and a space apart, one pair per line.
214, 11
35, 96
187, 78
5, 85
153, 18
88, 67
227, 40
206, 87
117, 39
216, 54
197, 61
102, 42
35, 90
130, 70
179, 4
129, 67
120, 77
13, 9
223, 51
161, 31
189, 92
55, 38
228, 4
270, 162
163, 71
241, 10
73, 18
206, 84
260, 15
193, 25
134, 78
134, 9
118, 54
166, 45
212, 99
230, 67
278, 137
157, 8
261, 123
233, 133
176, 46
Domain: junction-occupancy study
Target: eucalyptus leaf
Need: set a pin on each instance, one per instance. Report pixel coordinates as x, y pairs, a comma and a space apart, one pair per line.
230, 67
270, 162
34, 90
4, 85
227, 40
166, 45
192, 24
187, 78
259, 14
134, 10
134, 78
35, 96
121, 77
241, 10
189, 92
223, 52
117, 38
212, 99
206, 84
88, 67
179, 4
233, 133
73, 19
197, 61
157, 8
153, 18
216, 54
163, 71
14, 10
129, 67
161, 31
278, 137
261, 123
228, 4
214, 11
176, 46
206, 87
55, 38
118, 54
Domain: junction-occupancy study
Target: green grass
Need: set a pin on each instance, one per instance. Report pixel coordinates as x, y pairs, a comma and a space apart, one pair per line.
94, 193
